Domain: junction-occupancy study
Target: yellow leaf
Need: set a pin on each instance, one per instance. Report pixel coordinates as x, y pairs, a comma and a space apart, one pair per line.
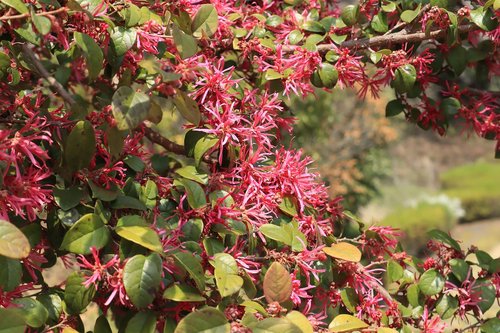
346, 323
344, 251
13, 243
301, 321
386, 330
68, 329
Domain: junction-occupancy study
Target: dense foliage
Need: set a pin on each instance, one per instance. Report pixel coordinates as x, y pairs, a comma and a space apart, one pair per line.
229, 232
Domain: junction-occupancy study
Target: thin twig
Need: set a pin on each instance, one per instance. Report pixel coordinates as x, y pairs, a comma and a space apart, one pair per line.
46, 75
171, 146
21, 16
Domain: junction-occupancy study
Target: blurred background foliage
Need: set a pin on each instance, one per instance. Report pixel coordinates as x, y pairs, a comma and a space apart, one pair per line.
393, 173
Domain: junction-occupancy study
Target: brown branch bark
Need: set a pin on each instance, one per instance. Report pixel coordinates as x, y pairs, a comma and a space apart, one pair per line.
387, 40
46, 75
21, 16
171, 146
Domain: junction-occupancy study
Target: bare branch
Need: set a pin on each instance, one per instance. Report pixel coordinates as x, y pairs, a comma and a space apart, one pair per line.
387, 40
46, 75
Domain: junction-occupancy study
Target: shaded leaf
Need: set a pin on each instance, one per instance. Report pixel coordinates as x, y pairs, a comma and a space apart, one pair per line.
183, 293
76, 295
141, 278
130, 108
80, 146
205, 21
93, 53
142, 322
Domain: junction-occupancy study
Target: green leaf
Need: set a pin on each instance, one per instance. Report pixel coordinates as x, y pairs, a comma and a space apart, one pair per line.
205, 21
53, 303
193, 266
76, 295
394, 108
405, 78
34, 313
80, 146
275, 325
149, 194
431, 282
450, 106
11, 321
325, 76
444, 238
459, 268
296, 239
17, 5
271, 74
350, 15
275, 232
126, 202
195, 194
226, 274
10, 273
192, 230
484, 18
295, 37
314, 27
130, 108
13, 243
379, 22
102, 325
68, 198
122, 39
394, 271
350, 299
409, 15
42, 23
457, 59
93, 54
288, 205
490, 326
142, 322
346, 323
131, 14
446, 306
135, 229
190, 172
274, 21
141, 278
185, 44
183, 293
203, 146
89, 231
487, 292
277, 284
187, 107
102, 193
344, 251
205, 320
